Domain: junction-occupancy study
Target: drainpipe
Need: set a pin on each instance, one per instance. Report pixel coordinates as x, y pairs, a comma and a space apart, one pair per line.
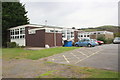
54, 38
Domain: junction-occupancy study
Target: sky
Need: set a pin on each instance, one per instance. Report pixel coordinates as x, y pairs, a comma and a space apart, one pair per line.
72, 13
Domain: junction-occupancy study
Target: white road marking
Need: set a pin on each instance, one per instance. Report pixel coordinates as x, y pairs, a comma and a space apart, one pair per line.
88, 56
75, 55
83, 54
53, 59
66, 59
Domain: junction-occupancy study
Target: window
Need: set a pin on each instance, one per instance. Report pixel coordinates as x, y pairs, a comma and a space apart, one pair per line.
51, 30
87, 35
16, 31
84, 35
11, 32
22, 36
56, 31
11, 37
98, 32
32, 31
72, 34
15, 37
22, 31
81, 35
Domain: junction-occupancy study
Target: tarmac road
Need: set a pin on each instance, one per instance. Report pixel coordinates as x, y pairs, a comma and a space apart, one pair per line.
102, 57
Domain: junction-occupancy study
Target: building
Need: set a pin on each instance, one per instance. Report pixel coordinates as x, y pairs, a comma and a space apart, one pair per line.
83, 35
32, 35
96, 34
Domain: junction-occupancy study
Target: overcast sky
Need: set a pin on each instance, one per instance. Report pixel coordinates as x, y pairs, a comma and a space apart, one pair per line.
73, 13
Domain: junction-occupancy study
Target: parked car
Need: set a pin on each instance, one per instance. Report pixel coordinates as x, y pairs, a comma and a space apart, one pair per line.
99, 42
116, 40
85, 42
95, 41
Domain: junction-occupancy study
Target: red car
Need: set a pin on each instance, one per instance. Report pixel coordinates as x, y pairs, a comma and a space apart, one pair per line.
99, 42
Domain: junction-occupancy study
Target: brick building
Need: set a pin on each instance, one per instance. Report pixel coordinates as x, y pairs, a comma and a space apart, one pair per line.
40, 35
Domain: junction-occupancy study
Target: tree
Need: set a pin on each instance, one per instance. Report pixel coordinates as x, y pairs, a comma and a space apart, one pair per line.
13, 14
73, 27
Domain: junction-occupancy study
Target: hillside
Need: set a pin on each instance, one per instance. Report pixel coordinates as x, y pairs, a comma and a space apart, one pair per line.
114, 29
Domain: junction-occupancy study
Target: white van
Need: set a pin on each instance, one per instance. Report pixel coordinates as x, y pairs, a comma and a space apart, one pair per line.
116, 40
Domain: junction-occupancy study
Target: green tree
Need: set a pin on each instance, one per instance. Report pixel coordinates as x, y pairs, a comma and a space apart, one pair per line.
117, 34
13, 14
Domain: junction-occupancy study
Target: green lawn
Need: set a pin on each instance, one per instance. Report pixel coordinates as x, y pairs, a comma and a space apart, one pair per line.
86, 72
99, 73
20, 53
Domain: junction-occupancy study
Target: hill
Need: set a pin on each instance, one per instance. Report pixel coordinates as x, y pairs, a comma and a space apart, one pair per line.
114, 29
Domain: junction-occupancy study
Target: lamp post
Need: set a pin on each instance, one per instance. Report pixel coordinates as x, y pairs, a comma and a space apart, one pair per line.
54, 37
45, 22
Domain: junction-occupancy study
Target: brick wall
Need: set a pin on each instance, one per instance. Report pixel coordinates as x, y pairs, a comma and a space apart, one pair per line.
49, 39
35, 40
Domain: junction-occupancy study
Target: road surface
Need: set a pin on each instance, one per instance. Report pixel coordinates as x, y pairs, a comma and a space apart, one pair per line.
102, 57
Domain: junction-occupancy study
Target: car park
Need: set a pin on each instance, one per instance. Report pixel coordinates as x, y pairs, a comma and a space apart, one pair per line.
86, 42
116, 40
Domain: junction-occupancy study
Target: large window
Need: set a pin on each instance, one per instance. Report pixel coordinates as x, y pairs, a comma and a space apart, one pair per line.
22, 30
11, 32
17, 33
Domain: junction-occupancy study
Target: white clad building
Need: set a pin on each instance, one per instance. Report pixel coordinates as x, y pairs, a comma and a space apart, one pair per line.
87, 35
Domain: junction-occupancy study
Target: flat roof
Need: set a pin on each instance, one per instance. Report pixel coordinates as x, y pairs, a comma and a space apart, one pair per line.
39, 26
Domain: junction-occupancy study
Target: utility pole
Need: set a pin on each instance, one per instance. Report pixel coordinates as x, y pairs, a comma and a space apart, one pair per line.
45, 22
54, 37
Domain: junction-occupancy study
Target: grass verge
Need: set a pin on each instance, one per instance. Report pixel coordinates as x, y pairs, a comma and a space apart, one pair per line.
69, 71
20, 53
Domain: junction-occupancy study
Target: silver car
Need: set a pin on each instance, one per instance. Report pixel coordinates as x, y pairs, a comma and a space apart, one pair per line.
116, 40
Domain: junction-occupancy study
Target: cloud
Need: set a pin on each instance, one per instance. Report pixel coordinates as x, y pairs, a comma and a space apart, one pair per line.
80, 13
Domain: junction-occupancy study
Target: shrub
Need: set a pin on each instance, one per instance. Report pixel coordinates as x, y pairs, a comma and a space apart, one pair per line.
12, 45
106, 41
102, 38
22, 46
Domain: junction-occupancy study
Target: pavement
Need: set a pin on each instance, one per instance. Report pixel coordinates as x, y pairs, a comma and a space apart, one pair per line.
102, 57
